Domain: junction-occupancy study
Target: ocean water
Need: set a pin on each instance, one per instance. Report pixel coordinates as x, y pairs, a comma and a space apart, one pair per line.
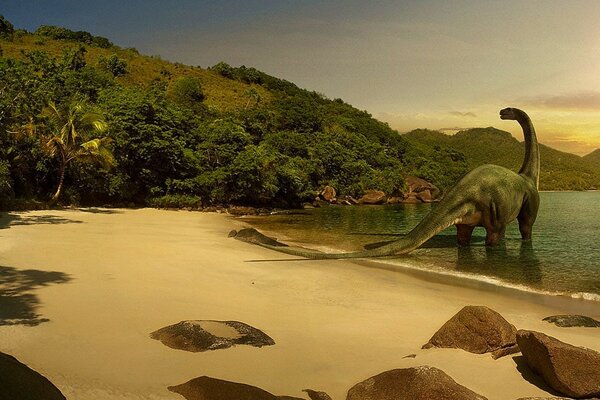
562, 259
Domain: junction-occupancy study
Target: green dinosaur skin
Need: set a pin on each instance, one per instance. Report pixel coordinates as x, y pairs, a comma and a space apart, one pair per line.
490, 196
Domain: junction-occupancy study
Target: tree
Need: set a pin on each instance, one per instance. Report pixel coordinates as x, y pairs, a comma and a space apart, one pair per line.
6, 28
72, 128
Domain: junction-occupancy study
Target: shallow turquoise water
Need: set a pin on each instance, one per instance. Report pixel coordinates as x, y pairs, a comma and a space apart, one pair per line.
563, 257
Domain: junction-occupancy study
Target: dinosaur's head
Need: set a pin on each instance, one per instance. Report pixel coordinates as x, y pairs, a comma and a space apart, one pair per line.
510, 113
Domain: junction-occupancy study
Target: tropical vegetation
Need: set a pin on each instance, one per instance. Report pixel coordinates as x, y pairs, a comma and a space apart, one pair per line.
83, 121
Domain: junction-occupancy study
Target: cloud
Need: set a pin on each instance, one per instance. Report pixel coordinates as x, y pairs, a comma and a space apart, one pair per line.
463, 114
579, 101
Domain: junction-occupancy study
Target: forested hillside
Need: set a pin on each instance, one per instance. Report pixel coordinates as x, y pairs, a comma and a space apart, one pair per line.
170, 134
83, 121
559, 170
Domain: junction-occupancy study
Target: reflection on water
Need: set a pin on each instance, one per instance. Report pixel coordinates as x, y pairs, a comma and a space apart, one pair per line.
522, 266
564, 255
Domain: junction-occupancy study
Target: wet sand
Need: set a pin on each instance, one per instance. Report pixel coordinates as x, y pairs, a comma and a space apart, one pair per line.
105, 279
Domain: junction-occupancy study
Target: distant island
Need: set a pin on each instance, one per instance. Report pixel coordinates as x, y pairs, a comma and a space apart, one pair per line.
85, 122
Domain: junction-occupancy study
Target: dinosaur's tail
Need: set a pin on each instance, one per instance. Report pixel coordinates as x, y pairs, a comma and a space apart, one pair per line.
436, 221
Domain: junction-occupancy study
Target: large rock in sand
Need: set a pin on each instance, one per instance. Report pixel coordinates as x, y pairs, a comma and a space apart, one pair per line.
19, 382
418, 383
317, 395
571, 370
203, 335
476, 329
207, 388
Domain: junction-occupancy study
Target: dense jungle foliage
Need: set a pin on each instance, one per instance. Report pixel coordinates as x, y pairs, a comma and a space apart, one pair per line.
85, 122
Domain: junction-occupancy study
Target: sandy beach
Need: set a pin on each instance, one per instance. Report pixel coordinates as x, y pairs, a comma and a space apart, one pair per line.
95, 282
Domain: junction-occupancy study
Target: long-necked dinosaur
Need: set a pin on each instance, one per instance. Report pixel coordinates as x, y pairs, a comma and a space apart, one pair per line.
490, 196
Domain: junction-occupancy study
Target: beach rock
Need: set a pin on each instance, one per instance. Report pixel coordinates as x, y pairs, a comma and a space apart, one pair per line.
317, 395
207, 388
241, 210
320, 203
571, 370
19, 382
542, 398
251, 235
395, 199
351, 200
411, 199
372, 197
411, 383
568, 321
328, 193
425, 196
203, 335
476, 329
417, 185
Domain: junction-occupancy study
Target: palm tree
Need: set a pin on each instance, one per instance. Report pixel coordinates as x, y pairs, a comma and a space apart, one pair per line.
71, 137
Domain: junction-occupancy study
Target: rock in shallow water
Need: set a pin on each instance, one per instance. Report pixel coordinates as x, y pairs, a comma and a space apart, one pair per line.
19, 382
411, 383
569, 321
251, 235
203, 335
476, 329
571, 370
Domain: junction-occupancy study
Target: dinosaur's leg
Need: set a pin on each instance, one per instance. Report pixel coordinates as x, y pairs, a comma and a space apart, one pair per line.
527, 217
494, 235
463, 234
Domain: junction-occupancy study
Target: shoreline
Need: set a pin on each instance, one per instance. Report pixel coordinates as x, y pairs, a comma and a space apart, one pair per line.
126, 273
563, 300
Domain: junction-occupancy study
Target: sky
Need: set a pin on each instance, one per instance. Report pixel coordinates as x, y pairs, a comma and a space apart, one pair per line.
437, 64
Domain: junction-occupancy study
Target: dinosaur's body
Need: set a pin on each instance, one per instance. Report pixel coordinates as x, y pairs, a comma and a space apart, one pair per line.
490, 196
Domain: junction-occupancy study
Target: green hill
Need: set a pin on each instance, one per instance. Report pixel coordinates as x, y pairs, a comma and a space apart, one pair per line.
184, 135
593, 157
189, 136
559, 170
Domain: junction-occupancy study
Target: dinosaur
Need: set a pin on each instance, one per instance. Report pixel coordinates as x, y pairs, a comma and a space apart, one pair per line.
490, 196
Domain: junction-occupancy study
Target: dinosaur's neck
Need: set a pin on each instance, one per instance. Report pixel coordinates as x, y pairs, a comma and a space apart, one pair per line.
531, 162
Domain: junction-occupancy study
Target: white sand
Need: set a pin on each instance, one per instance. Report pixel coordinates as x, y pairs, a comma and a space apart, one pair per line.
335, 323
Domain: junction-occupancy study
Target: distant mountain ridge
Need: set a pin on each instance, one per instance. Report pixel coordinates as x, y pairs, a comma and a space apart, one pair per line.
593, 157
559, 170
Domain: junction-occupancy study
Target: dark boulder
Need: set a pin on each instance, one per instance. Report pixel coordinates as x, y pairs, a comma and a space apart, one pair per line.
19, 382
207, 388
373, 197
198, 336
411, 383
476, 329
571, 370
568, 321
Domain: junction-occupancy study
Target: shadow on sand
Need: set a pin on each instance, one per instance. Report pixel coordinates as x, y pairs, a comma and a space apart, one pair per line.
532, 377
95, 210
18, 306
13, 219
